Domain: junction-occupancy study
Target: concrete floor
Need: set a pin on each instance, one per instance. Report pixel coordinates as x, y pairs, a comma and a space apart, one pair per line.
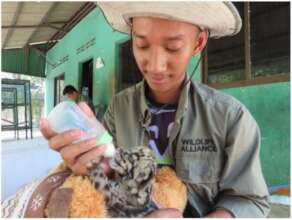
27, 160
7, 136
279, 211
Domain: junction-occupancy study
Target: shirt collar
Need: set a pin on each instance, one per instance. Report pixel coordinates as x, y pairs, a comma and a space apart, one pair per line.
144, 108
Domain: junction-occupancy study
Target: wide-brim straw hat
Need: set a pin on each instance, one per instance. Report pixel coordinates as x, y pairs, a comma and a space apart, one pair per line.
220, 18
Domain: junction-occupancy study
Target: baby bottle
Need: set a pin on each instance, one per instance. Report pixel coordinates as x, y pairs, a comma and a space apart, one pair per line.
67, 115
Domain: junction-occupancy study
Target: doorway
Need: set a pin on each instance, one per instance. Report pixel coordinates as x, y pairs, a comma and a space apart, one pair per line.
58, 88
87, 78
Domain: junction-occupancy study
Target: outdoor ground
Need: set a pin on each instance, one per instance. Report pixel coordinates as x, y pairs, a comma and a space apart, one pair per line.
280, 211
10, 135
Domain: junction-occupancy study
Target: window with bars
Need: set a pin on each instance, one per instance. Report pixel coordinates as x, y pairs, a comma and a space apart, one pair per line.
259, 53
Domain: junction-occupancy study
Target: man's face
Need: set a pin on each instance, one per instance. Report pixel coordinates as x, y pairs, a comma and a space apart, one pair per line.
162, 49
73, 96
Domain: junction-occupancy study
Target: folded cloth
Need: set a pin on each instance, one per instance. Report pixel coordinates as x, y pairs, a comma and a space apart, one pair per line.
30, 201
15, 206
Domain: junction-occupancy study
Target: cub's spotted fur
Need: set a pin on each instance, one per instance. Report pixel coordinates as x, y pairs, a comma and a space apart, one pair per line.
129, 194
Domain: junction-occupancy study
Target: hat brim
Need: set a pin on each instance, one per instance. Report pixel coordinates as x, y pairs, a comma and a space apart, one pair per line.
220, 18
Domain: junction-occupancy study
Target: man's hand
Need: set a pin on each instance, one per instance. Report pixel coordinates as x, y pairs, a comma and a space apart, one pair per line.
220, 213
165, 213
75, 155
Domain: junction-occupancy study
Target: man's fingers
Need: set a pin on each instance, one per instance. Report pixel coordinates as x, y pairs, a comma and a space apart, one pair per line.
66, 138
80, 164
86, 109
71, 153
45, 129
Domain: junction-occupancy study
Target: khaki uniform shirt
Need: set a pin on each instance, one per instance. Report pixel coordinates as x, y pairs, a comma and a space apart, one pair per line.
215, 142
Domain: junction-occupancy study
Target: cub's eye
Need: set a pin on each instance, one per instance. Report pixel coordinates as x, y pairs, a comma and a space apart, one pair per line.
141, 175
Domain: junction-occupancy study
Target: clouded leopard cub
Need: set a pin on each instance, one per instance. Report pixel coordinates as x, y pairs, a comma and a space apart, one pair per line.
129, 194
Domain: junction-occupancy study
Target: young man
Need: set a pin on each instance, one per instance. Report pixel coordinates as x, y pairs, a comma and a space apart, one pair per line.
74, 95
71, 93
209, 138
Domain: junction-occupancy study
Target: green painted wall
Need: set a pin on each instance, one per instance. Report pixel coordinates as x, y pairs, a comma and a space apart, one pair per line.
104, 46
270, 106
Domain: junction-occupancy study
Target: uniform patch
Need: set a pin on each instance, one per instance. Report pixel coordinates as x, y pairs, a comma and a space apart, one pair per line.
198, 145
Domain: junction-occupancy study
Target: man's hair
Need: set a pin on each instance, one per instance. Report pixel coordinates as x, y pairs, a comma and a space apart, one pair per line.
69, 89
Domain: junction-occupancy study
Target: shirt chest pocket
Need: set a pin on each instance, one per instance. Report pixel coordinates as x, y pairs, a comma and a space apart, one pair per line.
197, 169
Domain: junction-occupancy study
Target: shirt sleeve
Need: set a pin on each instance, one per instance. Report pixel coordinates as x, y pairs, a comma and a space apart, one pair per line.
109, 121
243, 191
